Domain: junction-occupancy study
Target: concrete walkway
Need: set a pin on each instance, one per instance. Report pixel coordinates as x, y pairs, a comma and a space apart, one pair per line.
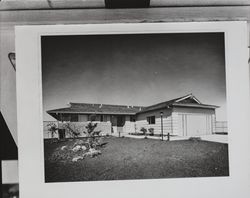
211, 138
216, 138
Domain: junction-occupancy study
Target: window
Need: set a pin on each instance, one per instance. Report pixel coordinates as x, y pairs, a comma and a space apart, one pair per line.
151, 119
74, 118
132, 118
103, 118
65, 117
92, 118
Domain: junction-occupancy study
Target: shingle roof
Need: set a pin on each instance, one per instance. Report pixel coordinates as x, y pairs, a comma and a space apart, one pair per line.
98, 109
187, 101
88, 108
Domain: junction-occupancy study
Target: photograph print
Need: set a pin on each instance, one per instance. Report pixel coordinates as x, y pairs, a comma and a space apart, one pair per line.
134, 106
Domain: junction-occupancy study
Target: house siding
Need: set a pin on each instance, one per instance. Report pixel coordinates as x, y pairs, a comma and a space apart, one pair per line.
166, 121
175, 123
129, 127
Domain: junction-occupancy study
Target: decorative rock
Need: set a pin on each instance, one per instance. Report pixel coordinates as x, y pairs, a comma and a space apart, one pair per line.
92, 153
75, 159
63, 148
76, 148
78, 142
84, 148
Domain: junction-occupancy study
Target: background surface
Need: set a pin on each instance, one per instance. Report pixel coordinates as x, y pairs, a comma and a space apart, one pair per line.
62, 12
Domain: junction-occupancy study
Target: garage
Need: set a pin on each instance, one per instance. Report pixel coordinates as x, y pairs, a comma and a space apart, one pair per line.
194, 124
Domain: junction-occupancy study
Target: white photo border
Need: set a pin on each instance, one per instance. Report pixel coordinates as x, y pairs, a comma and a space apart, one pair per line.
29, 114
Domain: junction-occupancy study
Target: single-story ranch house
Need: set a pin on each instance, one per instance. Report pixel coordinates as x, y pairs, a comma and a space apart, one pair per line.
184, 116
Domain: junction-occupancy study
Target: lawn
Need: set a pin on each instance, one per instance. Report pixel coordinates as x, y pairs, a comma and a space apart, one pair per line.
128, 158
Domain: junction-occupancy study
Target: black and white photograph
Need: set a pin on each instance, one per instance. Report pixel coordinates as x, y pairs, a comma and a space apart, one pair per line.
124, 98
134, 106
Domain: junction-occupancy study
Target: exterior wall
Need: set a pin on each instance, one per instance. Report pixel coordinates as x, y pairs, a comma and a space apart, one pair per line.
175, 123
129, 127
213, 123
141, 121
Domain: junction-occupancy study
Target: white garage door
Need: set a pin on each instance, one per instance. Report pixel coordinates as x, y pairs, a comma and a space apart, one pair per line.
195, 124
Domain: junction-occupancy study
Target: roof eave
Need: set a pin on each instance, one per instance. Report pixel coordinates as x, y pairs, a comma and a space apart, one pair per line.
81, 112
204, 106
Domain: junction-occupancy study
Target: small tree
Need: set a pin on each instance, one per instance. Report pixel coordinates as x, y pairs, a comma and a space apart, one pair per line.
92, 135
72, 130
52, 128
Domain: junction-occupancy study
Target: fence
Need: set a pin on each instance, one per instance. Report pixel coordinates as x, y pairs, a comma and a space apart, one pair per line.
104, 127
221, 127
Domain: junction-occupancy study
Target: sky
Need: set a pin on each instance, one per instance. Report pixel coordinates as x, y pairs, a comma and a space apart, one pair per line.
142, 69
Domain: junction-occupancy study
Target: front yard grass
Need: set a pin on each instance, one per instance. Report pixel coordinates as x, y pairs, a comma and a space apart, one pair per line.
128, 158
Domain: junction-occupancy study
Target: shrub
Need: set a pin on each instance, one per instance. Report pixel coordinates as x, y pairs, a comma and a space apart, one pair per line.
72, 130
143, 130
93, 138
151, 131
52, 128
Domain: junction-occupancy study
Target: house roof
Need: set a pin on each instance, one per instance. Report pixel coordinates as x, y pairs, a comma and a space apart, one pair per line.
185, 101
88, 108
